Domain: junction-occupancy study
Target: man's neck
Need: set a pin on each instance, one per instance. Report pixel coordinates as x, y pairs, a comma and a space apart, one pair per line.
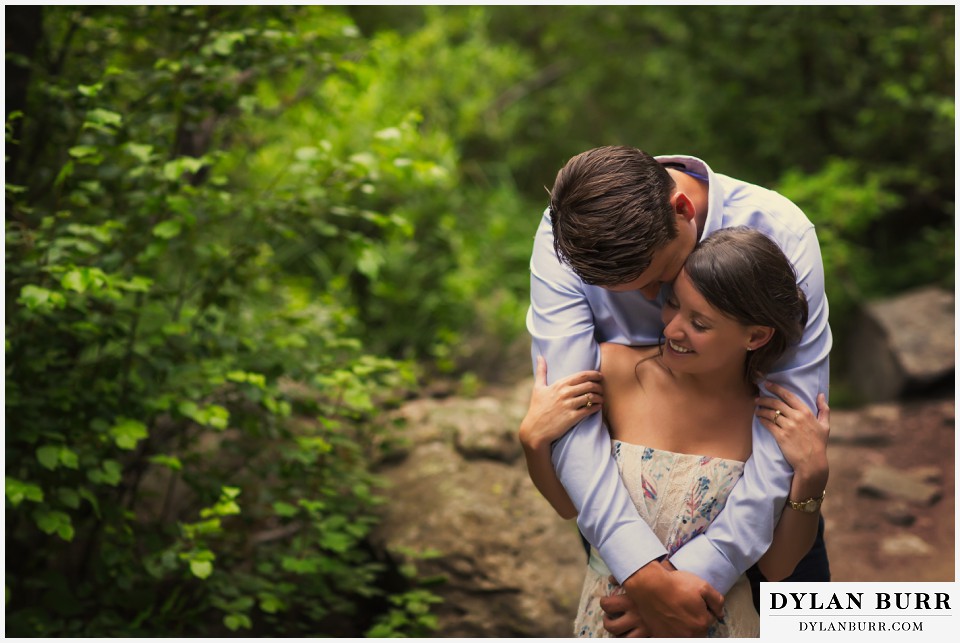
697, 191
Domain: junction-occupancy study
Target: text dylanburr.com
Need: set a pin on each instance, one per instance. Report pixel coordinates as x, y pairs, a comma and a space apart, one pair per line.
798, 610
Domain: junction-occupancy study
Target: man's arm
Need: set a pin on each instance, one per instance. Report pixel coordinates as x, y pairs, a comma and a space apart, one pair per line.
731, 544
561, 326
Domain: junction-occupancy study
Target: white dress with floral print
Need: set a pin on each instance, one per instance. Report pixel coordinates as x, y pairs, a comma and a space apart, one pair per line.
678, 495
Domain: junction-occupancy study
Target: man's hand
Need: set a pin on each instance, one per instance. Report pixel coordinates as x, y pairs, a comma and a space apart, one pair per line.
673, 603
621, 617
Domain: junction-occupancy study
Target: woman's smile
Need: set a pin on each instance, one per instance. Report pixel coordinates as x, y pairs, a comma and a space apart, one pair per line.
677, 348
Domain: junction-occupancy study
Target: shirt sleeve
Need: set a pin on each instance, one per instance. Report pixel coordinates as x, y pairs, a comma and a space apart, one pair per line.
732, 543
561, 324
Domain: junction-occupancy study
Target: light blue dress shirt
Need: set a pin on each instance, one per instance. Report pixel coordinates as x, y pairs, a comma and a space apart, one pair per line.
566, 320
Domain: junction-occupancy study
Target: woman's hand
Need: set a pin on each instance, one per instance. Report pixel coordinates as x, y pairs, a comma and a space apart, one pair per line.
803, 441
801, 436
557, 408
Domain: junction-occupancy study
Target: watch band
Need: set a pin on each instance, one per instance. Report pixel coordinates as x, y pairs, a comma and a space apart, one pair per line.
810, 505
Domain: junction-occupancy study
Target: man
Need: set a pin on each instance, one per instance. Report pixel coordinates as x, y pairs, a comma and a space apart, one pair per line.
621, 224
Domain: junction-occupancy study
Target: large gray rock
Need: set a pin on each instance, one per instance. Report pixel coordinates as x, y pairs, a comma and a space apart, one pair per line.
919, 486
903, 344
512, 566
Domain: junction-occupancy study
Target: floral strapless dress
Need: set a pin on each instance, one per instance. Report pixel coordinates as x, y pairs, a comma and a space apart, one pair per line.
678, 495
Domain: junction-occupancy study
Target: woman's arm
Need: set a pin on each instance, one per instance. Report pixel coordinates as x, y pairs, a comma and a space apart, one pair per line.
553, 411
803, 440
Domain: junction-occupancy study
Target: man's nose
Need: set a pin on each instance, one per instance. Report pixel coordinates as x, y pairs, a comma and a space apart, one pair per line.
651, 291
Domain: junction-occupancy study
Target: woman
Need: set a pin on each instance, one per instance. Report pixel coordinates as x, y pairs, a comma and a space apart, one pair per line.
680, 414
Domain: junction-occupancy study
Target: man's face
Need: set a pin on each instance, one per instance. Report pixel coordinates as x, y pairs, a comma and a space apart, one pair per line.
665, 266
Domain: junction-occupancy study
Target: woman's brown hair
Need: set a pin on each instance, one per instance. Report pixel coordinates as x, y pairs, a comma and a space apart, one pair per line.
745, 275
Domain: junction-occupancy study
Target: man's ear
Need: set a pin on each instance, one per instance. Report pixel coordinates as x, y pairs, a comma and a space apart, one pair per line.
682, 205
759, 336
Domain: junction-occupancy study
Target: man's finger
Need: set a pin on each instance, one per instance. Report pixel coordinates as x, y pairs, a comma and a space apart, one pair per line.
636, 633
615, 605
714, 601
628, 625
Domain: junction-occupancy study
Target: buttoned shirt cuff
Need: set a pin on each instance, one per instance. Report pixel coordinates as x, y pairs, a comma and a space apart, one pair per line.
700, 557
629, 548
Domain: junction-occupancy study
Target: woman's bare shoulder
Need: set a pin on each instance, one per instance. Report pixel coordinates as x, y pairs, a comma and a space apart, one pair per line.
617, 359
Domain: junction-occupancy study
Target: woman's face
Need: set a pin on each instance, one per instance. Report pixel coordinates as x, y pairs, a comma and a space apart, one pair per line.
700, 338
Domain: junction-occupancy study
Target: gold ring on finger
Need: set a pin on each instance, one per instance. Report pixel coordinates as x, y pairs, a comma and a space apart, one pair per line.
589, 400
776, 417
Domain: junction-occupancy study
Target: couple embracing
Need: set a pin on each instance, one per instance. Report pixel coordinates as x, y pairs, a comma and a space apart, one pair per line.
680, 319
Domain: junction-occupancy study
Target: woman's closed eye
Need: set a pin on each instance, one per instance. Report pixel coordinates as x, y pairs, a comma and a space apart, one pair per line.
699, 326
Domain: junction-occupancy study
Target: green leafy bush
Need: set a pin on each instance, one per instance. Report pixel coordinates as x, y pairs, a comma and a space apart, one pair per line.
188, 423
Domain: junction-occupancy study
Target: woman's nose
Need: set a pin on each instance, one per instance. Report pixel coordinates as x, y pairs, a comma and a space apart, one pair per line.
672, 328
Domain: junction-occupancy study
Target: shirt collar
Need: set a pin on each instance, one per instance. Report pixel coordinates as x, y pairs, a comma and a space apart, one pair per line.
714, 218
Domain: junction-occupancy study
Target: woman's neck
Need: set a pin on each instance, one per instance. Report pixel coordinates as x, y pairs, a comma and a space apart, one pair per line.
726, 383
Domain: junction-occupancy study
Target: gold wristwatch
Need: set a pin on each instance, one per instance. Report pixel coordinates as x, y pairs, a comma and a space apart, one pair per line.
810, 505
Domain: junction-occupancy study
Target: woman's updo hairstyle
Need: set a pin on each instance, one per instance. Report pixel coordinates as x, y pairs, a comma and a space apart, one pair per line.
745, 275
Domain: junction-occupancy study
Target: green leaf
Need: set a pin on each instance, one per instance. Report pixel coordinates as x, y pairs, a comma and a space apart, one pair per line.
370, 262
169, 461
236, 621
168, 229
285, 510
90, 90
17, 491
81, 151
217, 417
231, 492
139, 151
103, 119
83, 279
126, 433
223, 44
49, 456
109, 473
65, 173
74, 280
201, 568
336, 541
68, 458
51, 522
36, 298
172, 170
300, 566
136, 284
202, 528
270, 603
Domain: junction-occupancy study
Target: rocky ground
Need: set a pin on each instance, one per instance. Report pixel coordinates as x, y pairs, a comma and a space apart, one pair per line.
890, 509
510, 567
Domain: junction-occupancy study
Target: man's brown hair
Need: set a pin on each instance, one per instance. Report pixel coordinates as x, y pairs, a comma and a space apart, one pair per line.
610, 210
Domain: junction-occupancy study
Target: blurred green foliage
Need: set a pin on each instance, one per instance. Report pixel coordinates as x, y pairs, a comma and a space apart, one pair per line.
235, 235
